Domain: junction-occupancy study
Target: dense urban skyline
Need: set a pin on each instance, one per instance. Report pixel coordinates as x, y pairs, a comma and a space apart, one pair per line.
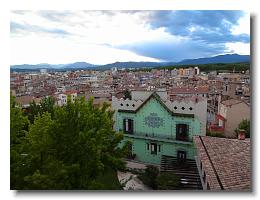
101, 37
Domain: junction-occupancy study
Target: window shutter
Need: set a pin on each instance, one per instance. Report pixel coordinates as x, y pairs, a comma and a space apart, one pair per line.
127, 125
152, 147
124, 124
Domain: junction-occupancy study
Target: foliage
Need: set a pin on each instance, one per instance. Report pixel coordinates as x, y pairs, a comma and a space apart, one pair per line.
167, 181
149, 176
219, 67
215, 134
45, 105
18, 126
107, 181
127, 95
215, 67
66, 147
245, 125
18, 122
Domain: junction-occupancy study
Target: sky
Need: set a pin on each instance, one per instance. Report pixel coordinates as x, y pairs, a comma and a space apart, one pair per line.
102, 37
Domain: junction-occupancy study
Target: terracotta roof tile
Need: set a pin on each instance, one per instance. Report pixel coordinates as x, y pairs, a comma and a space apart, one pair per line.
227, 162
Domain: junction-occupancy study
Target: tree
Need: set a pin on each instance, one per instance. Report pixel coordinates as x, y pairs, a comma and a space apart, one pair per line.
245, 125
167, 181
127, 95
18, 126
46, 105
33, 111
149, 176
71, 149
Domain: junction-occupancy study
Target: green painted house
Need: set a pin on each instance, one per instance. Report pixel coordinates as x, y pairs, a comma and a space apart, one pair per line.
159, 127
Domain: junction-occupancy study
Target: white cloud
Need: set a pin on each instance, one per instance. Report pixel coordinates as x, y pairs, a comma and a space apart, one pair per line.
238, 47
243, 25
93, 36
35, 50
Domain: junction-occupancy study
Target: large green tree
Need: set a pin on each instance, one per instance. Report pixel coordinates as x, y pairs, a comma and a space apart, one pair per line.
18, 126
46, 105
72, 148
127, 94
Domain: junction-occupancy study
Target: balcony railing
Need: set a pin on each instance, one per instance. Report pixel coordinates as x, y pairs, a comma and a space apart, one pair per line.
182, 137
158, 136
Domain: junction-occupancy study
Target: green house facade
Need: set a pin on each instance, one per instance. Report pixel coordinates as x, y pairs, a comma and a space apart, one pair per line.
156, 126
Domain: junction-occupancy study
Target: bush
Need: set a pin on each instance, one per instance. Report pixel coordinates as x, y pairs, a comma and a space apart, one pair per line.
167, 181
149, 176
215, 134
245, 125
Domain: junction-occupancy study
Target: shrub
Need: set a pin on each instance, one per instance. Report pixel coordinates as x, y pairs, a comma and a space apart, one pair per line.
167, 181
215, 134
149, 176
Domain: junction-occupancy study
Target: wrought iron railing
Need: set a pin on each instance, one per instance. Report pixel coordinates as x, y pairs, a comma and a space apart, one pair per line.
159, 136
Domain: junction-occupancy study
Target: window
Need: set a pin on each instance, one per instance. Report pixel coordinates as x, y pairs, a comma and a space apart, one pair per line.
153, 148
128, 125
181, 156
147, 146
182, 132
190, 108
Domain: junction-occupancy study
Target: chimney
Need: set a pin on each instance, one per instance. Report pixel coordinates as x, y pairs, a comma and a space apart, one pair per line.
241, 134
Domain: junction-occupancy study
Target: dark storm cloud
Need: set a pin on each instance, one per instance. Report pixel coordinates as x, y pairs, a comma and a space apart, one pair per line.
172, 51
209, 26
204, 33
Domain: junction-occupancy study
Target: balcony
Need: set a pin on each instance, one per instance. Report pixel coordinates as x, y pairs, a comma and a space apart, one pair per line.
182, 137
157, 137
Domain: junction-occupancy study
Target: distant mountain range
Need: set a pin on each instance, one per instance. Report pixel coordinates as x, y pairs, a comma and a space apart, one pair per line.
54, 66
227, 58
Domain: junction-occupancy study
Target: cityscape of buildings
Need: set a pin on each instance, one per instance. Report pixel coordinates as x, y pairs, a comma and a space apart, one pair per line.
169, 116
131, 100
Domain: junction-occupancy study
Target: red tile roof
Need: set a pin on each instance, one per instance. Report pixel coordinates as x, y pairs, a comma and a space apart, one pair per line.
188, 90
71, 92
26, 100
227, 162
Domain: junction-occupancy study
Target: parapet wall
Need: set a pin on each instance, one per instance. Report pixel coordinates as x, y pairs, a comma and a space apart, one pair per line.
196, 106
